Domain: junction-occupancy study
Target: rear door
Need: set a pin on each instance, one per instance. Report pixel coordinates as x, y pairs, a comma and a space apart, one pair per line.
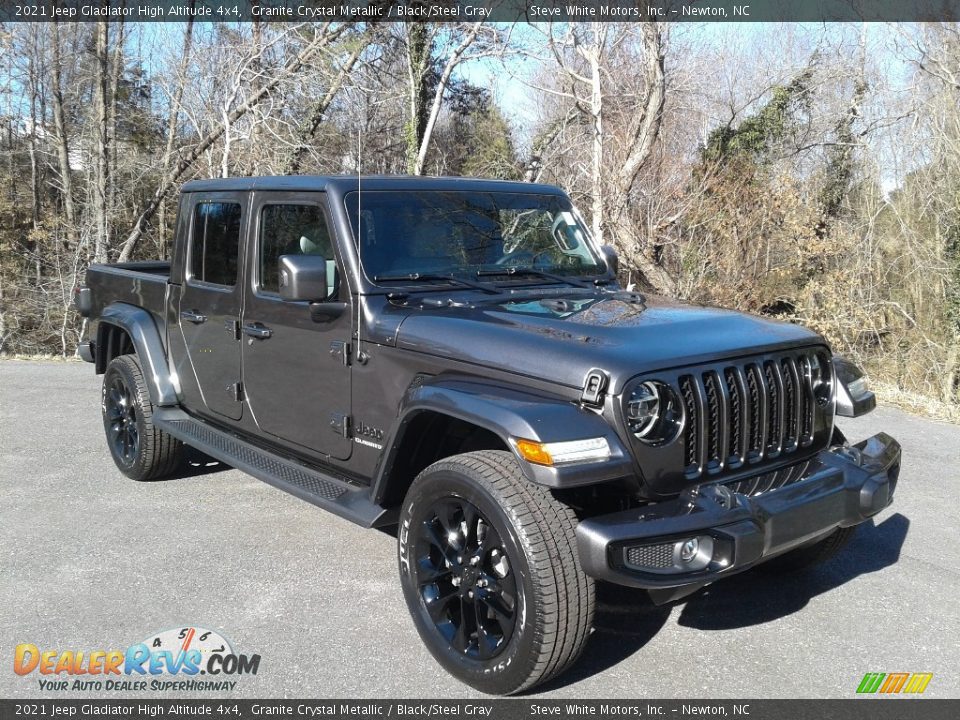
210, 301
295, 371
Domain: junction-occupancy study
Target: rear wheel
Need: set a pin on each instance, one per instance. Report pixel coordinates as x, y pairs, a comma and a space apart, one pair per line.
490, 573
140, 450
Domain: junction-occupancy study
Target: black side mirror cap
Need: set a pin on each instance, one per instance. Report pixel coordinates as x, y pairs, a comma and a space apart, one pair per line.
310, 278
83, 301
611, 258
853, 397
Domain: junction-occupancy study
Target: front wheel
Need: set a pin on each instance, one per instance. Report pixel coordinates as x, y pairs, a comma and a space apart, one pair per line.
490, 573
140, 450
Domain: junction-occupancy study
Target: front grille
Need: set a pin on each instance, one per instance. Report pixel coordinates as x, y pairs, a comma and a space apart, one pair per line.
750, 411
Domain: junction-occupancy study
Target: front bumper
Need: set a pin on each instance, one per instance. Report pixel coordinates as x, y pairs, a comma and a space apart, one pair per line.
838, 488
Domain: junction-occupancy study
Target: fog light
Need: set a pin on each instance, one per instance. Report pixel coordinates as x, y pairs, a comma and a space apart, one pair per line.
688, 550
675, 557
692, 554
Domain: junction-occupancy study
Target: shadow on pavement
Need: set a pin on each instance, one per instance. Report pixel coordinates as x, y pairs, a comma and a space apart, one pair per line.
759, 596
196, 463
626, 618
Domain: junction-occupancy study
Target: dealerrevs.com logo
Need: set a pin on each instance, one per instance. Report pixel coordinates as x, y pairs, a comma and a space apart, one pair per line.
182, 654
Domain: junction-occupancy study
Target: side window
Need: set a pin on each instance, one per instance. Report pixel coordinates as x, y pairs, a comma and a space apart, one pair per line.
216, 242
289, 230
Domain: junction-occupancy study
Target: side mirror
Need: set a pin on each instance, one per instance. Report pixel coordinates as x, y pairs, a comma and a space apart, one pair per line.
307, 277
853, 395
611, 258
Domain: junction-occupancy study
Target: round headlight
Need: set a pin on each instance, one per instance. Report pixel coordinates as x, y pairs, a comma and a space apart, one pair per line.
643, 409
653, 412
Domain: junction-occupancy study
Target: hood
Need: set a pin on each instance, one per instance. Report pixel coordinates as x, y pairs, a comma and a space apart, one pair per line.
560, 339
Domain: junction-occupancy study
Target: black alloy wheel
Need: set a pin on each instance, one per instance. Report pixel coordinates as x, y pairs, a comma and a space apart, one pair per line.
140, 449
121, 419
465, 578
491, 574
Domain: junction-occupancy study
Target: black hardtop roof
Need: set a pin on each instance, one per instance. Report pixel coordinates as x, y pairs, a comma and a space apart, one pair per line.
347, 183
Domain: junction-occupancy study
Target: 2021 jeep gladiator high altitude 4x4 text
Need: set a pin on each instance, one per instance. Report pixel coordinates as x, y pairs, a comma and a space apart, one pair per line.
455, 357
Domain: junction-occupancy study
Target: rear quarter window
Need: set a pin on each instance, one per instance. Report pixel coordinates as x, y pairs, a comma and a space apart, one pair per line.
216, 243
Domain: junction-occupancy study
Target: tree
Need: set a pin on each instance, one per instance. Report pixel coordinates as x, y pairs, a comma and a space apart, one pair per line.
309, 127
434, 53
61, 135
323, 36
489, 146
586, 54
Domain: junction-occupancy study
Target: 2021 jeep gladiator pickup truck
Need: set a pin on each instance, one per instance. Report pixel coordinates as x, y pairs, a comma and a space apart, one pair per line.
456, 358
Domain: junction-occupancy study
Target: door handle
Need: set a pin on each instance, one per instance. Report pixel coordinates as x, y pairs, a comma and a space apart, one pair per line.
256, 330
193, 316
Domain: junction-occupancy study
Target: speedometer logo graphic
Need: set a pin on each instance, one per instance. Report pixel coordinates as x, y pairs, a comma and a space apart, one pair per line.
184, 639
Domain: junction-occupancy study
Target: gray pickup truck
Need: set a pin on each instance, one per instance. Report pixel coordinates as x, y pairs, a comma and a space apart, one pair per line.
455, 358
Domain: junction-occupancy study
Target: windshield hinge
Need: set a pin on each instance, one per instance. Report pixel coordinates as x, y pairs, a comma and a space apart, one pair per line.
340, 349
340, 424
236, 391
594, 386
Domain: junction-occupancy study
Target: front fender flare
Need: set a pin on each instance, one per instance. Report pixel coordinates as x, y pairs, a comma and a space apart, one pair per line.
143, 332
511, 413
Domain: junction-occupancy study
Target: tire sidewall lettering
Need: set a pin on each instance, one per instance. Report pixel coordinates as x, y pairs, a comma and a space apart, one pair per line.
402, 539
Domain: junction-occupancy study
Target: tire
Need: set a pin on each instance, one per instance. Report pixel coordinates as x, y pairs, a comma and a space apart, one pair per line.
525, 595
140, 450
810, 555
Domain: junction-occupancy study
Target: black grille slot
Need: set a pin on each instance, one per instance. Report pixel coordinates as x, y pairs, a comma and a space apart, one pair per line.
713, 414
747, 412
690, 435
775, 408
808, 402
736, 420
791, 389
755, 387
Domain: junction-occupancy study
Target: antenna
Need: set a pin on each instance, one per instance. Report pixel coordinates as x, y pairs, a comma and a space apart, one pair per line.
360, 307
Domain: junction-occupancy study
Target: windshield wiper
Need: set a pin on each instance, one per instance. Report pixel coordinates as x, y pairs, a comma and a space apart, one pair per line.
429, 277
535, 273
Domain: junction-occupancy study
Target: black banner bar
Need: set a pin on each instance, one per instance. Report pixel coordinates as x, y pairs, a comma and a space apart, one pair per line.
476, 10
864, 708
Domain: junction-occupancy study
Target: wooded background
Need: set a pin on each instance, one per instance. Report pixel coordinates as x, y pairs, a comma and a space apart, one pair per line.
806, 172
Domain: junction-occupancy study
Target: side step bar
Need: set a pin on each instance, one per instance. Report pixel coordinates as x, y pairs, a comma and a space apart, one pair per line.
329, 492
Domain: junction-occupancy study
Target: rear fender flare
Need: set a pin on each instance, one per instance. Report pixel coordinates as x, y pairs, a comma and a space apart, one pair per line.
143, 332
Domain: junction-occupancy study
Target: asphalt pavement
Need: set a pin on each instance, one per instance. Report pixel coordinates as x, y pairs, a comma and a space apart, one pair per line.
90, 560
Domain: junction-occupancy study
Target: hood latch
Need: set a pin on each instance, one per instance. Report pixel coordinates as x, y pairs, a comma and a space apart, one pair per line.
594, 386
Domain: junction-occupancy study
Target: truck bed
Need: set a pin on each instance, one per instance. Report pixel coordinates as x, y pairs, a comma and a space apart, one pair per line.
143, 284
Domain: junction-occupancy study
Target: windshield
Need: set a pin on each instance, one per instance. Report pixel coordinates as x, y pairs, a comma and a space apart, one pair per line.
463, 233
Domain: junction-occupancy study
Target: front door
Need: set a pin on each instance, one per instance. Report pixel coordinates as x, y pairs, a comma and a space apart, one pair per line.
210, 302
296, 376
